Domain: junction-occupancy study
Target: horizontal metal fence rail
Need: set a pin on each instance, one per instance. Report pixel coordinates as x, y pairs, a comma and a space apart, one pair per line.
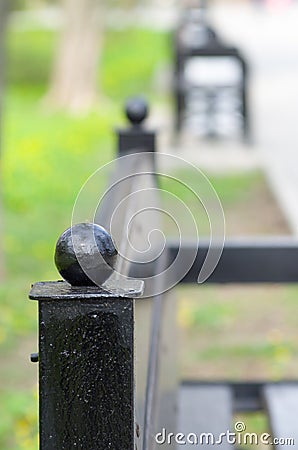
263, 260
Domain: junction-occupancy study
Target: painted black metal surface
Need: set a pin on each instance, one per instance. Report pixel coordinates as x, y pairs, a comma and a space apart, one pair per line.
136, 110
93, 376
61, 290
84, 250
86, 363
245, 261
162, 379
136, 138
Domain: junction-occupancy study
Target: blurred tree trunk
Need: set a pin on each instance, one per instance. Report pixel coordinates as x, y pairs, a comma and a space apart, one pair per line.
74, 82
3, 17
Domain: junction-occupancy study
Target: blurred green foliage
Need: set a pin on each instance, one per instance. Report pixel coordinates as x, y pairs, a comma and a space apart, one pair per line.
129, 61
230, 188
46, 158
30, 56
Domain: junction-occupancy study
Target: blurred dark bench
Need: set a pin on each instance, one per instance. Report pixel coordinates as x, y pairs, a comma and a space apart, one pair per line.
211, 86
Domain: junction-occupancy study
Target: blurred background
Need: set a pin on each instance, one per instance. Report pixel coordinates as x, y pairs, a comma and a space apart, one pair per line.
66, 68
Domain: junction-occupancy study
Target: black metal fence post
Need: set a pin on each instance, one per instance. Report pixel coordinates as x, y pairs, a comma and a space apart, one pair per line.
86, 365
136, 138
105, 363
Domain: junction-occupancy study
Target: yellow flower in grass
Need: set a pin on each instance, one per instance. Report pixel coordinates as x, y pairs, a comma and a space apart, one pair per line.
22, 429
282, 353
185, 316
26, 430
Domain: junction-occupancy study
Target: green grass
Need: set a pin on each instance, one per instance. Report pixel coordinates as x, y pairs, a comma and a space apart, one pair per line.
255, 423
215, 195
30, 55
126, 66
18, 427
230, 188
46, 158
238, 332
131, 60
266, 350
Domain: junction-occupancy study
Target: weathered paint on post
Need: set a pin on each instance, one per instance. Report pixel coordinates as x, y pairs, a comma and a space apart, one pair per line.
106, 369
86, 367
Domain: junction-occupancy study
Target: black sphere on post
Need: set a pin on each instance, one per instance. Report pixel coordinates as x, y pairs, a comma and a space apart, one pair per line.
136, 110
85, 255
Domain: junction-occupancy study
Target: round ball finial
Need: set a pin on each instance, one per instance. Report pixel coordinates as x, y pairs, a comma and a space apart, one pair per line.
136, 110
85, 255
